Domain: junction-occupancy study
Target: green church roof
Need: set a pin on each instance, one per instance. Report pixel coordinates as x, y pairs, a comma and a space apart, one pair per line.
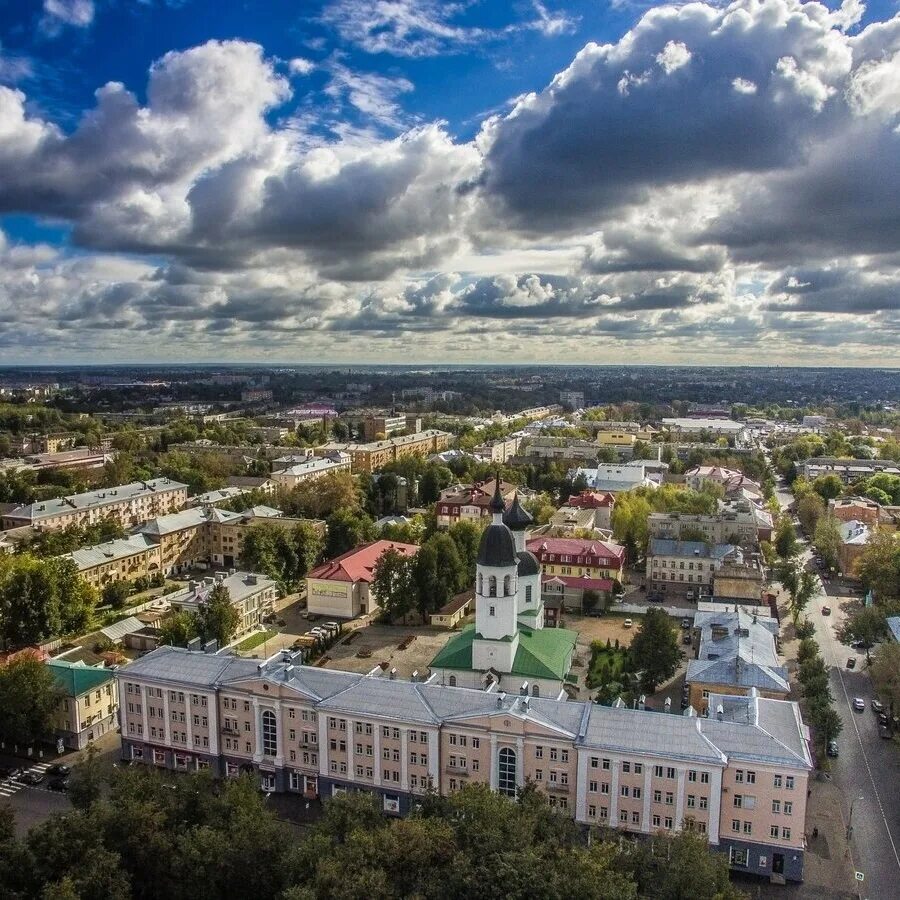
542, 653
76, 678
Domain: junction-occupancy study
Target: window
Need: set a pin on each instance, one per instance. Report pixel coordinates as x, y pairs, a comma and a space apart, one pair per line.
786, 834
595, 762
773, 831
635, 817
492, 611
667, 822
788, 807
657, 771
778, 781
564, 755
739, 776
748, 828
657, 796
776, 806
670, 772
592, 787
751, 777
507, 585
554, 754
691, 801
638, 768
476, 743
451, 681
592, 811
606, 764
670, 798
492, 589
789, 782
538, 774
623, 816
625, 790
506, 781
626, 766
656, 821
704, 778
738, 801
736, 825
692, 774
703, 802
269, 733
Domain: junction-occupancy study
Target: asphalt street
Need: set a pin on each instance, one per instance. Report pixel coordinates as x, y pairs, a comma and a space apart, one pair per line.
32, 804
867, 769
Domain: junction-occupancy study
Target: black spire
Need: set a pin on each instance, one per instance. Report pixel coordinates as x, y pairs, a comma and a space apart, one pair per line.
517, 518
497, 504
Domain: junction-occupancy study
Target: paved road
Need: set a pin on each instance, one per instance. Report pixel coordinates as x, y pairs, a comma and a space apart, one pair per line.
867, 771
32, 804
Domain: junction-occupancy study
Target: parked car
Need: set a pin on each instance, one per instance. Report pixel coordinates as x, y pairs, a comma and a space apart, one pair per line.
884, 732
877, 706
58, 769
832, 748
851, 663
11, 771
627, 623
685, 623
826, 610
859, 704
31, 777
687, 639
59, 784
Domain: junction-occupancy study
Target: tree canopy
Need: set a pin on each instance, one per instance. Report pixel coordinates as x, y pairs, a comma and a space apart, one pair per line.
654, 651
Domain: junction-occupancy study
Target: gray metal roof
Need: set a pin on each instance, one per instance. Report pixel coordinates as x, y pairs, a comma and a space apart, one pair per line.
95, 499
177, 665
688, 549
118, 630
188, 518
110, 551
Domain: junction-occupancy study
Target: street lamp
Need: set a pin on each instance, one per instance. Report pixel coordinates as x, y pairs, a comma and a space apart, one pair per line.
850, 819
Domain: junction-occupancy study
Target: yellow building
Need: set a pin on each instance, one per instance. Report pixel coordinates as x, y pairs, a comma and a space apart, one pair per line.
120, 560
88, 703
372, 456
616, 439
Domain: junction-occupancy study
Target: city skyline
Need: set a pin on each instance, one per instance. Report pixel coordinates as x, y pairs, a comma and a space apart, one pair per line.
446, 183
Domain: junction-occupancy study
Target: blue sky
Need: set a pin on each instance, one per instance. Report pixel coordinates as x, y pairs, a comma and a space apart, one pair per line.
586, 181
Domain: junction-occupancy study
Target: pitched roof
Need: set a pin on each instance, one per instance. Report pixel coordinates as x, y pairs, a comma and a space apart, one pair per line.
75, 678
110, 551
581, 582
575, 547
669, 547
188, 518
358, 564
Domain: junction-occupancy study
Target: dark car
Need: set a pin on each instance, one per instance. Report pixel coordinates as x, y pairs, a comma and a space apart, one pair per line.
11, 771
851, 663
884, 732
687, 639
832, 748
877, 706
884, 719
31, 778
60, 783
826, 610
58, 769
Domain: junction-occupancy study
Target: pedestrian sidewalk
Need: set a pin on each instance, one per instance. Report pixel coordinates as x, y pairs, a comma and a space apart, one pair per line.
828, 871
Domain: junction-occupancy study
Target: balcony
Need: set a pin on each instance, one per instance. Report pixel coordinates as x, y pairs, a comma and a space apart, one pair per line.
456, 770
554, 787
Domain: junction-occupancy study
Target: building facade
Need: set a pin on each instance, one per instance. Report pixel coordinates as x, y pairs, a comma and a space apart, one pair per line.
738, 778
311, 469
88, 703
579, 557
372, 456
127, 504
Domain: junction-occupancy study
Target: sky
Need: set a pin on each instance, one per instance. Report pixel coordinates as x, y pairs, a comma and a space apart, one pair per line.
466, 181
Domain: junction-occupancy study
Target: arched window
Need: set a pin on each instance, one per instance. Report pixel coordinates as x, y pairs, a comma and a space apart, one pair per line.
269, 734
452, 681
480, 583
527, 594
507, 585
492, 586
535, 691
506, 772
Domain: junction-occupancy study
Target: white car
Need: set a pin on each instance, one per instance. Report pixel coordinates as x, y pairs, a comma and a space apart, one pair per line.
627, 623
859, 704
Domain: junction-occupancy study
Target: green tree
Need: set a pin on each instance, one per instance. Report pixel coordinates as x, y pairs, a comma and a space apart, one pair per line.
885, 672
654, 651
810, 508
178, 629
29, 696
347, 528
878, 566
827, 540
786, 539
116, 593
284, 555
866, 624
392, 584
218, 618
828, 486
41, 598
87, 779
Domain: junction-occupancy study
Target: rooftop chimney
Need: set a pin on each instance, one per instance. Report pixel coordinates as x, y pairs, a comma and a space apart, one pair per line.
415, 675
523, 690
501, 699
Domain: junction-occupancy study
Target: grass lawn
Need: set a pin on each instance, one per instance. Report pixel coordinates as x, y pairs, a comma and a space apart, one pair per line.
254, 640
606, 664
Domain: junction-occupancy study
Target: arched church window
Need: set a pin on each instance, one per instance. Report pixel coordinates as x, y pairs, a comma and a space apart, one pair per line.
535, 691
507, 585
480, 583
452, 681
269, 733
528, 593
492, 586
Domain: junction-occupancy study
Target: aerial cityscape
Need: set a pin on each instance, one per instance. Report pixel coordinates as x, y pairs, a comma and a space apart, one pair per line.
449, 449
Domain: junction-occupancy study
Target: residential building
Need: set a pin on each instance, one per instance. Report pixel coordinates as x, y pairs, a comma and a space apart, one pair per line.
507, 645
730, 480
814, 421
452, 613
469, 503
848, 470
252, 595
739, 778
127, 504
499, 451
572, 399
856, 509
621, 441
220, 495
369, 457
567, 592
87, 705
375, 428
615, 479
601, 502
691, 425
311, 469
78, 458
855, 535
579, 558
683, 567
739, 523
125, 559
251, 483
340, 587
552, 447
737, 651
739, 578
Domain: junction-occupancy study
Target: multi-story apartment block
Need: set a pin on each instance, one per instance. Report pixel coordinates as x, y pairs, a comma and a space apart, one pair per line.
127, 504
572, 399
252, 595
469, 503
579, 557
87, 704
740, 523
683, 567
738, 777
124, 559
311, 469
737, 653
499, 451
372, 456
848, 470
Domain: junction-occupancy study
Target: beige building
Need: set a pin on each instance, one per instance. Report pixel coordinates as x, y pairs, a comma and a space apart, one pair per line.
340, 587
739, 778
311, 469
120, 560
372, 456
127, 504
499, 451
87, 705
